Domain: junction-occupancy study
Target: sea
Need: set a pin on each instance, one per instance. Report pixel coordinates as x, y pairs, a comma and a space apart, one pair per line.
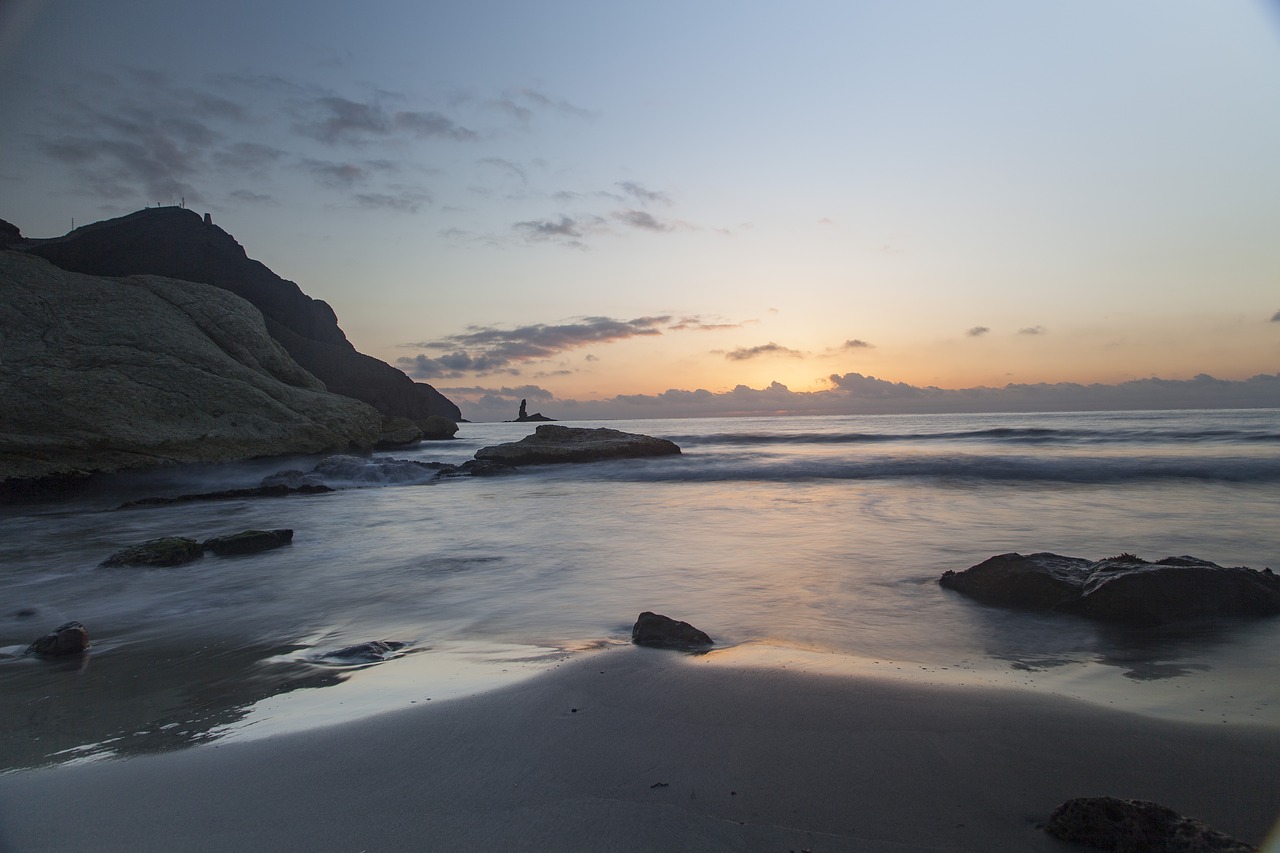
812, 543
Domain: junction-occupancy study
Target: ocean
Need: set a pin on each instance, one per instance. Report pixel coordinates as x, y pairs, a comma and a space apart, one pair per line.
806, 542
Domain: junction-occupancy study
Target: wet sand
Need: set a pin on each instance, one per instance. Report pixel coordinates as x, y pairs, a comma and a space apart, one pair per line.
634, 749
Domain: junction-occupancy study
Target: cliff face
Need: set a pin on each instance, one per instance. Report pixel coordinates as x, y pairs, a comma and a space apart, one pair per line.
101, 374
178, 244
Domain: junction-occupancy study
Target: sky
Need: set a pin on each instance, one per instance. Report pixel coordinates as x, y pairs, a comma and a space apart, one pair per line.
681, 209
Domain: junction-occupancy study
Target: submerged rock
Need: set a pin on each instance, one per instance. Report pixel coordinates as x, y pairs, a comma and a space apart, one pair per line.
554, 443
476, 468
1124, 589
372, 652
266, 490
654, 629
248, 542
375, 471
1107, 823
69, 639
166, 551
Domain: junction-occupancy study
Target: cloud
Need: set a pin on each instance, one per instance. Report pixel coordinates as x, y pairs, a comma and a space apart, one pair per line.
641, 219
977, 331
542, 229
487, 349
400, 199
454, 365
1032, 330
697, 324
339, 176
642, 195
1275, 318
746, 353
433, 124
250, 197
854, 393
856, 343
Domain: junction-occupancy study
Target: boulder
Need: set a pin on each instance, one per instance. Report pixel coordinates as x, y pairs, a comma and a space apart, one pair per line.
397, 432
102, 374
554, 443
437, 428
372, 652
654, 629
179, 244
1136, 826
166, 551
69, 639
248, 542
1123, 589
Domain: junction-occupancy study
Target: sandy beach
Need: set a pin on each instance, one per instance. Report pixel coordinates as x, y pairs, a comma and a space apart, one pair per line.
636, 749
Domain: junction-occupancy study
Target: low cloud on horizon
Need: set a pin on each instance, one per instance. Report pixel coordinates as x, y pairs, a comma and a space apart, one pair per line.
857, 394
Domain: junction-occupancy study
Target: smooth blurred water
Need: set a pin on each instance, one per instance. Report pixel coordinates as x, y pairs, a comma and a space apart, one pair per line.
825, 534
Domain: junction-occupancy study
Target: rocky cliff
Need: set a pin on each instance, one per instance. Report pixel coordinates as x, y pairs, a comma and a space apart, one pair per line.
179, 244
100, 374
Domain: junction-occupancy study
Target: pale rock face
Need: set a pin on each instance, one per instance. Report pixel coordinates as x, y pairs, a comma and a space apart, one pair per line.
100, 374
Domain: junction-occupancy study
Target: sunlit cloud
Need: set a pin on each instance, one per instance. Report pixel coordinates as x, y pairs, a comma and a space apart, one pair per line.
769, 349
856, 343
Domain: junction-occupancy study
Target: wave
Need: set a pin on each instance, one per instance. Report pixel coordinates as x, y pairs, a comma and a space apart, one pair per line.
966, 468
1007, 435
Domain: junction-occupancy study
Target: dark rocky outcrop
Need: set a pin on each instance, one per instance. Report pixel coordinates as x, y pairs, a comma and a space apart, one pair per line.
166, 551
69, 639
654, 629
1136, 826
178, 244
553, 443
10, 235
525, 417
1123, 589
104, 374
248, 542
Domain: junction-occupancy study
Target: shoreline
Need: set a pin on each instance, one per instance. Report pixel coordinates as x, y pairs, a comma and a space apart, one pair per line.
637, 749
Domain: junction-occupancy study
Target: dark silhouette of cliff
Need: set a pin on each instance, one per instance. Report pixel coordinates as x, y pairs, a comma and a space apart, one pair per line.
177, 243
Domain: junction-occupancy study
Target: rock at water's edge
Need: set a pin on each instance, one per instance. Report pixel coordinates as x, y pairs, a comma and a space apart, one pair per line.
106, 374
1122, 589
553, 443
1108, 823
372, 652
248, 542
654, 629
166, 551
69, 639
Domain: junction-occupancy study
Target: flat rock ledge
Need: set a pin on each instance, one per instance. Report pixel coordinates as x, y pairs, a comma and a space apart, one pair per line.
248, 542
552, 443
1130, 826
1123, 589
663, 632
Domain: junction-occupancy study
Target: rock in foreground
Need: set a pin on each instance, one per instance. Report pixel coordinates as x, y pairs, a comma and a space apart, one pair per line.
166, 551
248, 542
1124, 589
69, 639
1107, 823
654, 629
552, 443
